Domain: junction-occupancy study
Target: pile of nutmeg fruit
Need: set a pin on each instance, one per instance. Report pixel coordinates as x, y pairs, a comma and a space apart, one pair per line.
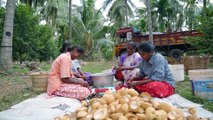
128, 104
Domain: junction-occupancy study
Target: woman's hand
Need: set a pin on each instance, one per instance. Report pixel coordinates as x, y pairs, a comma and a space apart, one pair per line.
84, 83
132, 83
130, 80
84, 77
118, 68
114, 67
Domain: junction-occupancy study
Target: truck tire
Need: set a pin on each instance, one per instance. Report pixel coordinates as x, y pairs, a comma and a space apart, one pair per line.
176, 53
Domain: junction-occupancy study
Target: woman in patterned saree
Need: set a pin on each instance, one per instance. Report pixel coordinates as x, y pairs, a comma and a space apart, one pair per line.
128, 64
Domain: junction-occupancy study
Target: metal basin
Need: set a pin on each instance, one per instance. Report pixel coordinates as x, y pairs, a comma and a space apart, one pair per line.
102, 79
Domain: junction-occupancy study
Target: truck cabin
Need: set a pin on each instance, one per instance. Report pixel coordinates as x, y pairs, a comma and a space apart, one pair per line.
123, 36
127, 34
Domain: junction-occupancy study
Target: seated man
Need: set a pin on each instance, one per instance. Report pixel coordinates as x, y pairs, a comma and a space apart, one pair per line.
62, 82
155, 76
128, 64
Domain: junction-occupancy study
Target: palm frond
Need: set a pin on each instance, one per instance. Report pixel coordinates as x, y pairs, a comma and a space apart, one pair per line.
106, 4
131, 3
104, 43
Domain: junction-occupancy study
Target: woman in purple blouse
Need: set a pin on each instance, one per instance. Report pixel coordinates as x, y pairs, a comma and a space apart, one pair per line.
128, 64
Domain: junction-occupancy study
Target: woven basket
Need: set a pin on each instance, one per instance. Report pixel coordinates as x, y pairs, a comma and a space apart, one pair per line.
39, 81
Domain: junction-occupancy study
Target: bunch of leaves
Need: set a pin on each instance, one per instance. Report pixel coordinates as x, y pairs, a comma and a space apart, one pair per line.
204, 43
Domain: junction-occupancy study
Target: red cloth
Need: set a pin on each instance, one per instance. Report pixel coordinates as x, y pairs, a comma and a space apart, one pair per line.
156, 89
119, 76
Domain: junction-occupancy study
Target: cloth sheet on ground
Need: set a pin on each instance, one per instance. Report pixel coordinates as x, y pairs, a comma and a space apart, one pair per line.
44, 107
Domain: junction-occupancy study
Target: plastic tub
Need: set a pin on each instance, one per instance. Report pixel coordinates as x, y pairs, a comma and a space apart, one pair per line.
201, 72
208, 77
177, 71
203, 88
202, 83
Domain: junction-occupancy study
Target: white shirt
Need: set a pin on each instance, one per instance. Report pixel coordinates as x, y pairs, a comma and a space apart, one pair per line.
75, 65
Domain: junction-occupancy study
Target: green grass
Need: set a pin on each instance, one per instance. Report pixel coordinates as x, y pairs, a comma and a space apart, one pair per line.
44, 66
96, 67
14, 85
7, 101
211, 65
16, 69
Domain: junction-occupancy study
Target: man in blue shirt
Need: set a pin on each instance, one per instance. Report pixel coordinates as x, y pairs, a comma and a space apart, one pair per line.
155, 76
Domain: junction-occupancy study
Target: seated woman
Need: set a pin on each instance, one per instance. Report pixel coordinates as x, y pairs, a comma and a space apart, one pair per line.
128, 64
76, 67
62, 82
159, 81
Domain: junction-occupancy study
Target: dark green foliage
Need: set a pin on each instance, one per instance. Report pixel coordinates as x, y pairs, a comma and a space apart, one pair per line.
108, 54
31, 41
204, 43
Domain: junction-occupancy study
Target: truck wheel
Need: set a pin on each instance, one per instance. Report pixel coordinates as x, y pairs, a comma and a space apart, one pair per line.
176, 53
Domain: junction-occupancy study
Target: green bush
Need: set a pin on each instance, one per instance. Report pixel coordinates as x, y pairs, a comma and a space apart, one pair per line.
32, 41
108, 54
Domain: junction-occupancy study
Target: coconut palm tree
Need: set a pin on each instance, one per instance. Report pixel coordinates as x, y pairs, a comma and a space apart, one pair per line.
167, 15
149, 19
33, 3
70, 22
6, 45
191, 9
87, 25
54, 10
119, 10
141, 22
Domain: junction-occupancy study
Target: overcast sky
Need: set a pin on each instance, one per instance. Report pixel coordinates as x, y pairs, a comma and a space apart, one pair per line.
99, 4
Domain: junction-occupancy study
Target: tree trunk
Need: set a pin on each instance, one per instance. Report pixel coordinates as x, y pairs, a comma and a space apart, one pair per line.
20, 57
204, 7
126, 21
204, 3
70, 22
149, 18
6, 45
